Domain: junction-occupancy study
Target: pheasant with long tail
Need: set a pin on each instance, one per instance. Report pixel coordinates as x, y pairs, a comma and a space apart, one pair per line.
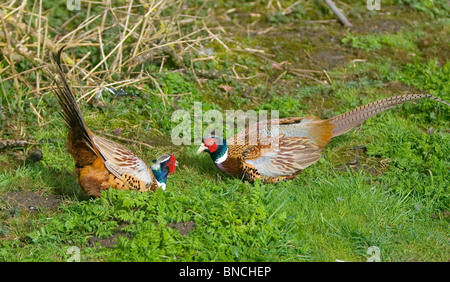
286, 146
101, 163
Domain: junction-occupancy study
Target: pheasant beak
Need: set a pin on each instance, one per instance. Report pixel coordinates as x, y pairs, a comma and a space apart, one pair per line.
202, 148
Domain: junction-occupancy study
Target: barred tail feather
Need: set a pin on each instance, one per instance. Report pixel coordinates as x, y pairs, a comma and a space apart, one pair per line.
344, 122
71, 112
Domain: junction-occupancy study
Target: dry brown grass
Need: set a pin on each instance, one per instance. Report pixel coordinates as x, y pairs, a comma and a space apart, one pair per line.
127, 36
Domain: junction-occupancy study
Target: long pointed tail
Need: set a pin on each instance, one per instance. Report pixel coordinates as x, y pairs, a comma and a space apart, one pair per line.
343, 123
71, 112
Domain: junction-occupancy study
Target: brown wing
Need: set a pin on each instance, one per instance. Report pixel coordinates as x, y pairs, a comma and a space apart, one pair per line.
317, 131
124, 164
280, 156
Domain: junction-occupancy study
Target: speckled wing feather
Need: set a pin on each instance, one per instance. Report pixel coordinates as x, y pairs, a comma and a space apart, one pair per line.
124, 164
318, 132
280, 156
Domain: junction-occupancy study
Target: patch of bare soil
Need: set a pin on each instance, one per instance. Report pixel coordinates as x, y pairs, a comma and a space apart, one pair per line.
379, 25
357, 160
398, 87
109, 241
329, 59
295, 46
32, 201
182, 227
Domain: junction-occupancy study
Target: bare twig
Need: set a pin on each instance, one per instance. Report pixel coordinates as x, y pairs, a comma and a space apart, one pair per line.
338, 13
5, 143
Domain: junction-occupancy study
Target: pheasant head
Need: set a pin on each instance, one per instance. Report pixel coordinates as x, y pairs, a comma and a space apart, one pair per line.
216, 147
162, 167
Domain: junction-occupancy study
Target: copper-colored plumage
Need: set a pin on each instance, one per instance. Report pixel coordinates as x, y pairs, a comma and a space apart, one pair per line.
286, 146
99, 163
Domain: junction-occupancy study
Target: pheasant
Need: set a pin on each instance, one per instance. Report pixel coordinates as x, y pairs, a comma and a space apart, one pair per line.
282, 152
101, 163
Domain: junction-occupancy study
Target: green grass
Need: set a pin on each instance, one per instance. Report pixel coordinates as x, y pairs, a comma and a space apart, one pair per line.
404, 41
322, 216
397, 200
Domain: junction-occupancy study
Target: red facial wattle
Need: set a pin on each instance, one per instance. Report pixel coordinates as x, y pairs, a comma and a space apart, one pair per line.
211, 144
212, 148
172, 164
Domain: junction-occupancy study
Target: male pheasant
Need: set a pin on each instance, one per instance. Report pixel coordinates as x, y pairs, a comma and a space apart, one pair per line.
286, 146
101, 163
